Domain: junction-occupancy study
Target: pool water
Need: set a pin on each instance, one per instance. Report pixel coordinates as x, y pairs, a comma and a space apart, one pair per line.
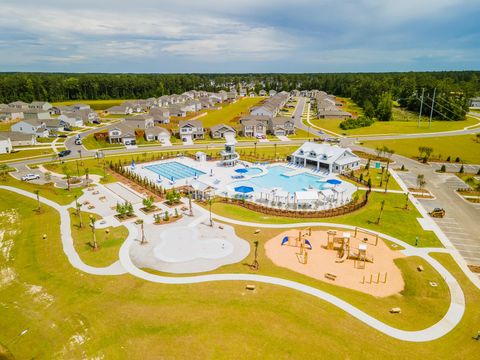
274, 178
253, 171
174, 170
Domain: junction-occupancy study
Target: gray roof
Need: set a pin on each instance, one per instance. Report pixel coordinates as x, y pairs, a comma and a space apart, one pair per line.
195, 123
15, 135
220, 127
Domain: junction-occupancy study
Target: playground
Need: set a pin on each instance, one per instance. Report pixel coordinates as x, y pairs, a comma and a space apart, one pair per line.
356, 259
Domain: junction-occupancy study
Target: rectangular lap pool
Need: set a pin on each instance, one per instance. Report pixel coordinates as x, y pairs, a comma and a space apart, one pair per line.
174, 170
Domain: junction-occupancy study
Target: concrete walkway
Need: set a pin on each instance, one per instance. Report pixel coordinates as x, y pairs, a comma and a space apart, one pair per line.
445, 325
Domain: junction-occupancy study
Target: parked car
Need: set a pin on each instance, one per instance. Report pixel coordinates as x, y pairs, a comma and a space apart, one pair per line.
29, 177
78, 141
62, 136
64, 153
333, 140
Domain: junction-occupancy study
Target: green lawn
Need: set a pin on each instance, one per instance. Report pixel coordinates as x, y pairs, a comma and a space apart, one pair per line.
395, 221
109, 240
375, 176
230, 113
70, 314
44, 151
90, 143
49, 191
465, 147
94, 104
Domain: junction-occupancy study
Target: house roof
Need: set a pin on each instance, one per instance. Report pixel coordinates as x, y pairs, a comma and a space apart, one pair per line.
325, 153
254, 119
15, 135
156, 131
195, 123
280, 120
223, 127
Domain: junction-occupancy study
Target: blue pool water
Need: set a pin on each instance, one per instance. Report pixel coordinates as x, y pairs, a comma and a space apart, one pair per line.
253, 171
175, 170
275, 178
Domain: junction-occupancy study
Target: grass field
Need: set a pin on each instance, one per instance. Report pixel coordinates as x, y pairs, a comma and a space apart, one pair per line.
395, 221
94, 104
69, 314
230, 113
109, 240
465, 147
44, 151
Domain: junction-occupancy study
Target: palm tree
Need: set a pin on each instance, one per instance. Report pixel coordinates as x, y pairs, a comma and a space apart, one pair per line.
210, 201
79, 213
92, 225
68, 177
381, 212
37, 192
190, 204
142, 241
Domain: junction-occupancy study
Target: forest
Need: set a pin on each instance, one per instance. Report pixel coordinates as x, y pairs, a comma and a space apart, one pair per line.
373, 91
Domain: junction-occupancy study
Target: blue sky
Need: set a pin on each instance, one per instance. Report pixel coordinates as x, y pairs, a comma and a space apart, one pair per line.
239, 36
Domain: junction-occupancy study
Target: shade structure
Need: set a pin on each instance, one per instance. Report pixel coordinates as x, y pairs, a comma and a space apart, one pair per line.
133, 164
334, 181
244, 189
241, 171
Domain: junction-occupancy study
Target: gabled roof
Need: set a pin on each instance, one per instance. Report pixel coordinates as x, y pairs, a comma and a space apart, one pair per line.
326, 153
221, 127
192, 123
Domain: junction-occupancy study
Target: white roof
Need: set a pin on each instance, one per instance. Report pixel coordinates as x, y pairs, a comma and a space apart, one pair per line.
306, 195
325, 153
327, 192
198, 185
281, 194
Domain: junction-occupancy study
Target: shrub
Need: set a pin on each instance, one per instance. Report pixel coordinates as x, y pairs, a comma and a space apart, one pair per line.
462, 170
362, 121
457, 159
402, 168
448, 159
166, 217
443, 168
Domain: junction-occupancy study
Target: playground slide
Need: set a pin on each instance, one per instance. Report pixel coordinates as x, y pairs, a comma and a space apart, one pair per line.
344, 256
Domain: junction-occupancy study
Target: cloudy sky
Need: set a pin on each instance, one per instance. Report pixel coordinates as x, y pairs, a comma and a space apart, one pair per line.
239, 36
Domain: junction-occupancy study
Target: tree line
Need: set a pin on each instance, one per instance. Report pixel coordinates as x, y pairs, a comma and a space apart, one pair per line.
372, 91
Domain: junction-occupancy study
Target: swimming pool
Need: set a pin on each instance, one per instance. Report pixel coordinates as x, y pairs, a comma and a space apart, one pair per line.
249, 171
174, 170
274, 178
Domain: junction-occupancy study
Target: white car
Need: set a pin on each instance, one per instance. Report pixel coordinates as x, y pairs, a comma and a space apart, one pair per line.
29, 177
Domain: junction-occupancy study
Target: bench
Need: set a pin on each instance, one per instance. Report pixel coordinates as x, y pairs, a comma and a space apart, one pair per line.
395, 310
330, 276
250, 287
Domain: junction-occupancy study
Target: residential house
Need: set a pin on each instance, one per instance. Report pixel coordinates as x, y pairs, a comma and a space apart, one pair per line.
223, 95
40, 105
327, 107
122, 133
281, 126
5, 144
262, 93
252, 94
254, 125
30, 126
157, 134
71, 120
80, 106
123, 109
330, 158
140, 121
207, 103
55, 125
243, 92
193, 105
271, 106
160, 115
19, 139
475, 102
191, 128
177, 110
220, 130
137, 106
20, 105
272, 93
36, 114
9, 113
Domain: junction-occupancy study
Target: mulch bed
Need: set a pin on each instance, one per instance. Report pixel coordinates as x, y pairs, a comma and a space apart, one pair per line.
134, 185
172, 219
125, 218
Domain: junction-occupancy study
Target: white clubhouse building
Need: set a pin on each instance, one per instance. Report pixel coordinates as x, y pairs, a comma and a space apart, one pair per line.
325, 157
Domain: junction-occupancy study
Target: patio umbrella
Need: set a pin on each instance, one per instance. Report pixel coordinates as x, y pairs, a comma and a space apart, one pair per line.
244, 189
334, 181
159, 178
133, 164
241, 171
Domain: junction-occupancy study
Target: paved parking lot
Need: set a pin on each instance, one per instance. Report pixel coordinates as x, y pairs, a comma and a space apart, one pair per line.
466, 241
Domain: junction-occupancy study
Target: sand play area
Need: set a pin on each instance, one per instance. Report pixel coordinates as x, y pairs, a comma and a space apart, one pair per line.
355, 260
